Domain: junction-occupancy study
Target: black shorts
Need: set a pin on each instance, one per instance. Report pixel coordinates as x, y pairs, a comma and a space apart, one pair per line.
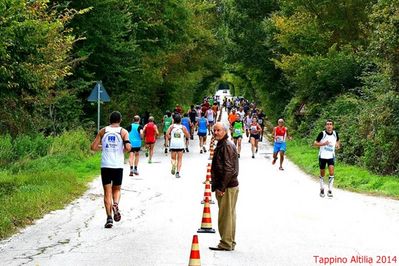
257, 136
112, 175
176, 150
323, 162
135, 149
238, 137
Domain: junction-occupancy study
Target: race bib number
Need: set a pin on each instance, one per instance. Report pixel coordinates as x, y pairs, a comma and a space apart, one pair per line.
279, 139
238, 131
329, 148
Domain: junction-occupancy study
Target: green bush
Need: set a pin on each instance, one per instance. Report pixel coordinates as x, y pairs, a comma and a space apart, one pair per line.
6, 149
380, 124
75, 143
32, 146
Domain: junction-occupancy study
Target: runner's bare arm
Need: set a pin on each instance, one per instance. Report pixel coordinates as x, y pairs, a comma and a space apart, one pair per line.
168, 133
125, 137
96, 144
186, 132
338, 144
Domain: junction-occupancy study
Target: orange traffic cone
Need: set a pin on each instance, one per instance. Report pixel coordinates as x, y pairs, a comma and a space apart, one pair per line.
206, 223
208, 173
208, 193
195, 253
211, 152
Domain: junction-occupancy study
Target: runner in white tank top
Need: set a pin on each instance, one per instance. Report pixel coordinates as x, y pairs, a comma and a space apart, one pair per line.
327, 141
112, 148
114, 141
177, 138
177, 134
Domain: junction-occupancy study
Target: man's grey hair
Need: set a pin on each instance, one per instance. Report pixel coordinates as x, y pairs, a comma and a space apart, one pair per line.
224, 125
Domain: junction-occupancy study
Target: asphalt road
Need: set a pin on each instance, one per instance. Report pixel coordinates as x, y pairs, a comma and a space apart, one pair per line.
281, 220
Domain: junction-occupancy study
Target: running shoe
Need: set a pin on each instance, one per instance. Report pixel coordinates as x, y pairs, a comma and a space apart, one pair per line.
204, 149
256, 150
117, 214
274, 161
201, 151
281, 168
109, 222
238, 155
329, 194
177, 175
131, 173
187, 150
135, 172
173, 171
253, 156
322, 193
149, 161
166, 150
146, 153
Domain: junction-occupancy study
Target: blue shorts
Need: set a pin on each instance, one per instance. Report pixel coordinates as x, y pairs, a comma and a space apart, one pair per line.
202, 134
279, 147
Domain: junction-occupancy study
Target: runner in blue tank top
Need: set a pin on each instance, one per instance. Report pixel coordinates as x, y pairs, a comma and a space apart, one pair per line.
188, 125
135, 135
202, 131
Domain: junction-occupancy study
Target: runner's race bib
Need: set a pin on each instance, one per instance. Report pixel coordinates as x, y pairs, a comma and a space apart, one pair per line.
279, 139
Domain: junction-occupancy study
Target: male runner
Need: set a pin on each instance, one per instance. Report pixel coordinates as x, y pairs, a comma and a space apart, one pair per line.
327, 141
167, 122
151, 133
280, 134
113, 140
135, 135
238, 130
177, 134
192, 114
210, 116
188, 125
202, 130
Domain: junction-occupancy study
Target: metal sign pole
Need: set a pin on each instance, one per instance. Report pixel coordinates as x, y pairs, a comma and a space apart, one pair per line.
98, 107
98, 94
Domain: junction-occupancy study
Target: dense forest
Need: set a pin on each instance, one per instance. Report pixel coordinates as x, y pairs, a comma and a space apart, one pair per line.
304, 60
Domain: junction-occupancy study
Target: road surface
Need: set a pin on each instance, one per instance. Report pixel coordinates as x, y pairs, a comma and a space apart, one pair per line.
281, 220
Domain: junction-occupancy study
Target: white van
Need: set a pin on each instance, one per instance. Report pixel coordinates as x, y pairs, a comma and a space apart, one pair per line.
221, 94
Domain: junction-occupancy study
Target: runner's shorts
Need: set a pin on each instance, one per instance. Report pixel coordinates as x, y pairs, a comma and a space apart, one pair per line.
324, 162
201, 134
112, 175
137, 149
279, 146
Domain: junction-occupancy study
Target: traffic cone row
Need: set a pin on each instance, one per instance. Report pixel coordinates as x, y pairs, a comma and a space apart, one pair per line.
206, 222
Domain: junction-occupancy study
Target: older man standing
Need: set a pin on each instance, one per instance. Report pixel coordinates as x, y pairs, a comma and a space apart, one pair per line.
225, 185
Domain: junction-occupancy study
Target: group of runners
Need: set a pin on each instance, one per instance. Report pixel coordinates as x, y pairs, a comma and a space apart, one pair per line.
179, 128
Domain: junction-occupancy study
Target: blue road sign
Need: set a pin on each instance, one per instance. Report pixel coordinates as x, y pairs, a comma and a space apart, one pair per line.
103, 95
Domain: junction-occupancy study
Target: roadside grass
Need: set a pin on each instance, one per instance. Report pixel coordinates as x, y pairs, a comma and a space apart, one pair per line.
353, 178
31, 188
